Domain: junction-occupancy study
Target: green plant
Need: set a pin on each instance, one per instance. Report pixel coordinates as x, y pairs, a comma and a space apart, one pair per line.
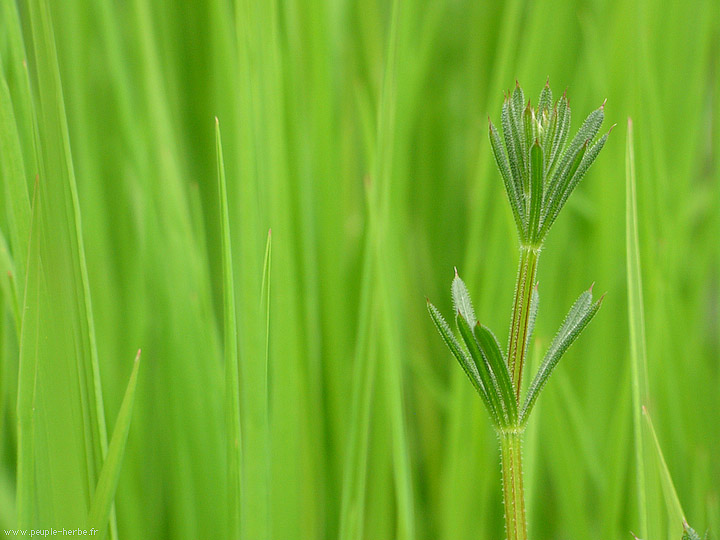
540, 172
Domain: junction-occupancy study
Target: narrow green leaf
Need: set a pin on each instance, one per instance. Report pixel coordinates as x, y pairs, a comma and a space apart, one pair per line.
580, 314
232, 379
576, 174
536, 190
587, 132
561, 132
636, 321
461, 299
529, 129
517, 132
515, 197
498, 411
490, 349
518, 104
102, 501
557, 187
514, 151
461, 356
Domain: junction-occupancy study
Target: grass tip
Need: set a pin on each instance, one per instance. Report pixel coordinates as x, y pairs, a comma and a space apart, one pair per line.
456, 272
137, 356
602, 106
611, 128
547, 82
217, 122
270, 231
591, 287
629, 123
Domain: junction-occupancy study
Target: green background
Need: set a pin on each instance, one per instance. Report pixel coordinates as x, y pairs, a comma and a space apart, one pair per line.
357, 131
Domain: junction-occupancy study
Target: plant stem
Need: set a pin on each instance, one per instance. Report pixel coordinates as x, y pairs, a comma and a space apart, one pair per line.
521, 314
513, 492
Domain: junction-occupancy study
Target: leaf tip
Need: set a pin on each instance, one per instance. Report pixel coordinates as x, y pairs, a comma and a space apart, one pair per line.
137, 356
456, 272
217, 122
602, 106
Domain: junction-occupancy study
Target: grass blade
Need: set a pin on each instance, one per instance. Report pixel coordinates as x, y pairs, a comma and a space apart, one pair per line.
232, 379
636, 320
101, 506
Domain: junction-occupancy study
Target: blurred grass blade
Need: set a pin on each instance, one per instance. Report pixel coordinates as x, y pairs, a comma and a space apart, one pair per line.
636, 320
232, 382
102, 502
672, 501
27, 375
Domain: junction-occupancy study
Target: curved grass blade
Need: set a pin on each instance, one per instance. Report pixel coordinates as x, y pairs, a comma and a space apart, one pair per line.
232, 379
104, 496
580, 314
490, 349
465, 362
462, 301
499, 412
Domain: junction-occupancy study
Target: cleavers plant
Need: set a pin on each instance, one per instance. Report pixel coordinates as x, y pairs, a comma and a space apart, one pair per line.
539, 171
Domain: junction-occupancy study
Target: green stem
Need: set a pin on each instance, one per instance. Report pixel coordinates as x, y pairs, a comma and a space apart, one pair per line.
513, 492
521, 314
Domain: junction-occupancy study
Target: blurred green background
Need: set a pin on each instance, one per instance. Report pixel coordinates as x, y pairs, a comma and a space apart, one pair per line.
357, 131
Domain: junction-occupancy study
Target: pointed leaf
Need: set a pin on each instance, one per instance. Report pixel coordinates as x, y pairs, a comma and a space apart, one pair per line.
577, 174
461, 299
514, 151
561, 132
580, 314
110, 473
515, 196
460, 355
498, 412
587, 132
490, 349
545, 99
